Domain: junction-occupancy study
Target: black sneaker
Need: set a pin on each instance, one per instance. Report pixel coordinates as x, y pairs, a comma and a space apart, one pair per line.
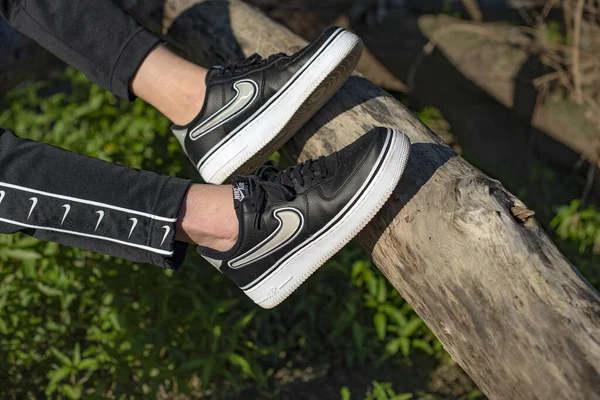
292, 221
254, 106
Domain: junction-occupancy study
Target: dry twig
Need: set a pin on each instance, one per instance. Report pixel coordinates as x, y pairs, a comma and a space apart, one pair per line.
473, 9
548, 7
575, 68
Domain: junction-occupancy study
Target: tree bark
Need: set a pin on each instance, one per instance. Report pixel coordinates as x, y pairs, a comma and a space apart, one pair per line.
462, 250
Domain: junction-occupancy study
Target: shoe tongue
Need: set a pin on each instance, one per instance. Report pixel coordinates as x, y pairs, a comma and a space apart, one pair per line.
331, 163
216, 70
241, 190
251, 59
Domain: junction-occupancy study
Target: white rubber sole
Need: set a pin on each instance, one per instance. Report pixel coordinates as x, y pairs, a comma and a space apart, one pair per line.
288, 276
242, 144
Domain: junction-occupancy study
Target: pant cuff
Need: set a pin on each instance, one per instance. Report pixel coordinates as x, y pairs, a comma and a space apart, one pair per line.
168, 202
131, 56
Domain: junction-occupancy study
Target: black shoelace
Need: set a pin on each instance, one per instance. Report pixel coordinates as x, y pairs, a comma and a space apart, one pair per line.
268, 180
233, 67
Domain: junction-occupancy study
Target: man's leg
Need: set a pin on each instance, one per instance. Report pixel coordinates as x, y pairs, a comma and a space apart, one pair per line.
109, 46
176, 87
68, 198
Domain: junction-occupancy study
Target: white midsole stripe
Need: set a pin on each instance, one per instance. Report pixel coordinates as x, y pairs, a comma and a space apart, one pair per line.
45, 228
92, 203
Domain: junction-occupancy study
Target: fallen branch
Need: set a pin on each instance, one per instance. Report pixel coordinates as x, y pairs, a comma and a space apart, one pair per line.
473, 9
575, 68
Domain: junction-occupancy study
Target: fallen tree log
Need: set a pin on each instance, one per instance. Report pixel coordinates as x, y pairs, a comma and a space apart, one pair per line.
465, 253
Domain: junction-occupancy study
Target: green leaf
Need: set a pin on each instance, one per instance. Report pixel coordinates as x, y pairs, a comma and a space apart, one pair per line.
53, 326
357, 268
423, 345
395, 315
392, 347
115, 321
380, 321
48, 291
246, 320
3, 327
25, 241
402, 396
107, 299
61, 356
372, 286
379, 391
241, 362
88, 364
217, 331
21, 254
412, 326
56, 376
76, 354
345, 393
405, 346
73, 393
207, 371
357, 332
382, 292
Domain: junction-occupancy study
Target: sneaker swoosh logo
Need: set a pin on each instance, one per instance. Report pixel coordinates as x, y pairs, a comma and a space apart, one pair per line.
246, 93
2, 194
291, 222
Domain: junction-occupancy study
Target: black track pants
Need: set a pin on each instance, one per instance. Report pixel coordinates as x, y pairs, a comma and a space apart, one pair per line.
60, 196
